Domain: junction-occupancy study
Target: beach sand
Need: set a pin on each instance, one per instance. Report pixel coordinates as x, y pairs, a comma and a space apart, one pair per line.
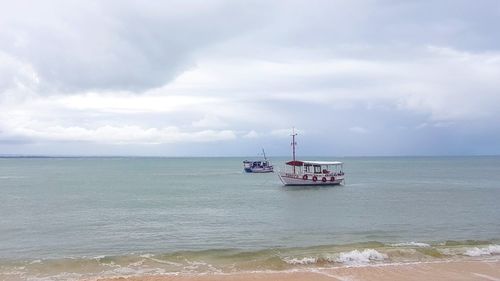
456, 270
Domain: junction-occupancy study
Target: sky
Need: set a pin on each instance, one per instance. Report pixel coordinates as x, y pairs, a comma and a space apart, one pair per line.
227, 78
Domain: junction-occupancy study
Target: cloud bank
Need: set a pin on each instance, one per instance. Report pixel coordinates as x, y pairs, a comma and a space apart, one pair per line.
357, 77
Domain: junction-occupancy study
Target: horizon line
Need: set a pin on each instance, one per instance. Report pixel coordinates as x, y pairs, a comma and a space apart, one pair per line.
231, 156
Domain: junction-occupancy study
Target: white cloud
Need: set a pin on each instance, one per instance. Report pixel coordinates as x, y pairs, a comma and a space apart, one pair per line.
251, 135
444, 83
285, 132
122, 135
123, 103
444, 87
16, 75
209, 121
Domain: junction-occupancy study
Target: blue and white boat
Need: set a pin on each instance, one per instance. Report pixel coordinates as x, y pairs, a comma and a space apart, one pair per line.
259, 166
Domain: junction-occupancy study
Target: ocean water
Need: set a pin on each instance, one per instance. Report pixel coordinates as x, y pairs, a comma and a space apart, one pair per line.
71, 218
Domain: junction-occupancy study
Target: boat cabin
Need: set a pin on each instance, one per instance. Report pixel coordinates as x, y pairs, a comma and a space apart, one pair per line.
318, 168
256, 164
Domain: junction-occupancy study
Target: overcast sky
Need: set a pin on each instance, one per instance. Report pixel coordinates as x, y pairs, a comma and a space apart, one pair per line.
206, 78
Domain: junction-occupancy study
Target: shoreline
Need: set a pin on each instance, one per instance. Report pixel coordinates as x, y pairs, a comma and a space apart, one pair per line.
436, 270
366, 261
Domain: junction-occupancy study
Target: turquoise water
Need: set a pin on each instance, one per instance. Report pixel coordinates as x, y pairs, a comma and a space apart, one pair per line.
73, 210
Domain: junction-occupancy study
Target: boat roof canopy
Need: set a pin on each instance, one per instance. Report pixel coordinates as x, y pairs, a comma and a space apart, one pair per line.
302, 163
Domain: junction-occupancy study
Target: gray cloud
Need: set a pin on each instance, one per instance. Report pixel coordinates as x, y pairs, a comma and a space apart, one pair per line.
381, 23
122, 45
76, 46
357, 77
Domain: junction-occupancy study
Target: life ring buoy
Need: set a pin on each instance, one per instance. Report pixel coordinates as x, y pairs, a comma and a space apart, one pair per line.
304, 177
323, 179
332, 179
315, 178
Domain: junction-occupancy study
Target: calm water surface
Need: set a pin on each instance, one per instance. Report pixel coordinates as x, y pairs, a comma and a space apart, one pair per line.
84, 207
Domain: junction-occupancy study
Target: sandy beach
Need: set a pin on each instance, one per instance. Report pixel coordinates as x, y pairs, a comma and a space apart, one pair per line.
456, 270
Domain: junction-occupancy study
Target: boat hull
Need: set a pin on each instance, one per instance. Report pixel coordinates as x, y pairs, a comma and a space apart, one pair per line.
297, 179
259, 170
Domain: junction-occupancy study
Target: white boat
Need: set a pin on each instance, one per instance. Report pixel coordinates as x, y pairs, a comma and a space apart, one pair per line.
312, 172
258, 166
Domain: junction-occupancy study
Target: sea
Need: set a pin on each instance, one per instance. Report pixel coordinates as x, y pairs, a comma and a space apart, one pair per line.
73, 218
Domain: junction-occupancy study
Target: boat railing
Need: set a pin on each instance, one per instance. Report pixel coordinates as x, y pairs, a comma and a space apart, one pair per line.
301, 173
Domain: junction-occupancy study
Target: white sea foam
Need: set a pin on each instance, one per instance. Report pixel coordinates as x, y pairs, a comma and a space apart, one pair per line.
165, 262
411, 244
297, 261
358, 258
484, 251
137, 263
132, 271
66, 276
447, 251
198, 266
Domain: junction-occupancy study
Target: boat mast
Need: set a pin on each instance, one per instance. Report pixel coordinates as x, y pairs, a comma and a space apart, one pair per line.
293, 147
264, 153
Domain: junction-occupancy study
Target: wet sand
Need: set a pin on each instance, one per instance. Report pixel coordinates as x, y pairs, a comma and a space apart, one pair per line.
456, 270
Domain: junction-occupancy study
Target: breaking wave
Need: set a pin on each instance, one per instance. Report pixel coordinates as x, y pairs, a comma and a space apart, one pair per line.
410, 244
483, 251
357, 257
305, 260
235, 260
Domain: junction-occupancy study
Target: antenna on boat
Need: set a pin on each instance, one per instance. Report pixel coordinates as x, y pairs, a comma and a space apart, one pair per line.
294, 143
